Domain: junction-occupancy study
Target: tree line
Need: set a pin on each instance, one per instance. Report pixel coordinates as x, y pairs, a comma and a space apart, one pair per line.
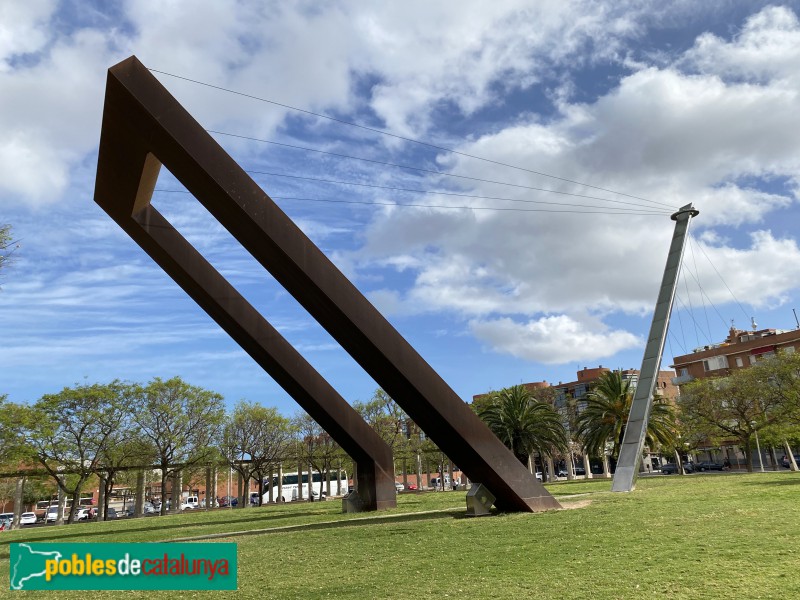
106, 430
730, 409
113, 429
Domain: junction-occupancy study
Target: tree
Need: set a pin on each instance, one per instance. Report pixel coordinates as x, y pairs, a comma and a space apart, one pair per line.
315, 447
392, 424
763, 397
778, 378
386, 417
127, 448
69, 432
605, 415
181, 422
254, 438
523, 424
5, 244
13, 448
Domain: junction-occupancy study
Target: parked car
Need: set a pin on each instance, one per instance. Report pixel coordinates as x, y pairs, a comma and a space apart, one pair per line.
709, 466
671, 468
399, 487
111, 513
786, 463
52, 515
83, 514
27, 518
5, 523
147, 509
577, 470
412, 486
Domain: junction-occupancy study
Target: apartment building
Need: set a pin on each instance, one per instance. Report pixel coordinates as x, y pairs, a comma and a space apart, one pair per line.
739, 350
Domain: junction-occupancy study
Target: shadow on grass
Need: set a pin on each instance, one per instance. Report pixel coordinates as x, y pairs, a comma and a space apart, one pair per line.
80, 533
782, 482
358, 522
125, 527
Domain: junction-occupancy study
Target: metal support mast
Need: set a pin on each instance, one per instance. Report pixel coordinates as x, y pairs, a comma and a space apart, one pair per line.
630, 454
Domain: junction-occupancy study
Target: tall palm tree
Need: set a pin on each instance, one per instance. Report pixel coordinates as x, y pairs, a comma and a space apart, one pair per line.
604, 418
522, 423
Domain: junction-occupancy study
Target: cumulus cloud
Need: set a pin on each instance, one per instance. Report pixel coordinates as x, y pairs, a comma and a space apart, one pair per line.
552, 340
764, 273
50, 115
314, 58
713, 125
21, 29
766, 48
662, 134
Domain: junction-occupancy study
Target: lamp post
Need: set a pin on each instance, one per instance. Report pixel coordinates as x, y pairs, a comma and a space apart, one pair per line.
230, 473
758, 446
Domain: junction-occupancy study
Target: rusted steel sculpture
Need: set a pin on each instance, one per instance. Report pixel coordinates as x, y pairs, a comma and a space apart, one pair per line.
144, 127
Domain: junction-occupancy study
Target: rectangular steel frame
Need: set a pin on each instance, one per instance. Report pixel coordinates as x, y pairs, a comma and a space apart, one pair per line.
144, 127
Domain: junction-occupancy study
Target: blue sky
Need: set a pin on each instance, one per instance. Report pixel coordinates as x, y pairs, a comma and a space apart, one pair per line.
662, 105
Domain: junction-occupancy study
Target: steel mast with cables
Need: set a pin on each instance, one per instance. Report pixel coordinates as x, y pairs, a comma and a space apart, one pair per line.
630, 455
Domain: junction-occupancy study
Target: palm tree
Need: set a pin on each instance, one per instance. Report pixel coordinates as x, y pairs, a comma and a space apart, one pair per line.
605, 415
522, 423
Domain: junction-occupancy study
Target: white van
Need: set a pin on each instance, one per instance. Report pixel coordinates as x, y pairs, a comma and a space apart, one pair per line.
190, 502
436, 482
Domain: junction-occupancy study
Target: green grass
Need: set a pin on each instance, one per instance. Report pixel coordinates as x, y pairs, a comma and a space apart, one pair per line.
703, 536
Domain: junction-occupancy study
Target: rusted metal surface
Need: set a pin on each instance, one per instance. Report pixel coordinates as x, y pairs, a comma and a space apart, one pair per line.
144, 127
126, 175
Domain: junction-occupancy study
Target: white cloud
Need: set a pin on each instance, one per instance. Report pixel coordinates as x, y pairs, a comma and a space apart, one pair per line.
662, 134
310, 57
767, 47
764, 274
714, 126
483, 49
50, 117
22, 28
553, 339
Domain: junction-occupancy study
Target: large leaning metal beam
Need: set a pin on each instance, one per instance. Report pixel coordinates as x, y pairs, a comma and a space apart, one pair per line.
630, 455
141, 114
126, 174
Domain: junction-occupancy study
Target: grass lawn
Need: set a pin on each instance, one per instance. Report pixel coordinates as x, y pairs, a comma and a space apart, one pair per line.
702, 536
